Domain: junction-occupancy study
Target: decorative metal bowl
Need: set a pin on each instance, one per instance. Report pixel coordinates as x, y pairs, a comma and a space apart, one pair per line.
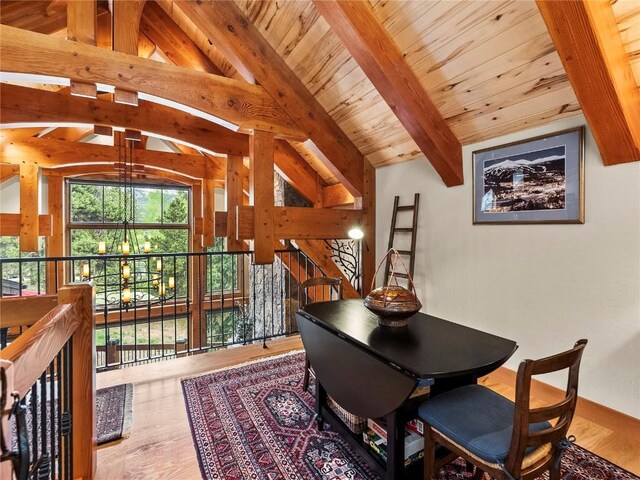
393, 305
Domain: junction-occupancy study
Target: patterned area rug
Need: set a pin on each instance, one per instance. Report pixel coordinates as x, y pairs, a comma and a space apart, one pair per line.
254, 422
114, 412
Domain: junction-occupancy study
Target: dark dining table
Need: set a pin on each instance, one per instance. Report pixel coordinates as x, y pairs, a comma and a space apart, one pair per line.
372, 370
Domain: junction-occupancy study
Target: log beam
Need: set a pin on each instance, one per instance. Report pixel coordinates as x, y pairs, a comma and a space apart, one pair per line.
261, 195
238, 103
590, 46
301, 223
34, 16
25, 105
57, 153
173, 42
241, 42
376, 53
8, 171
336, 196
10, 224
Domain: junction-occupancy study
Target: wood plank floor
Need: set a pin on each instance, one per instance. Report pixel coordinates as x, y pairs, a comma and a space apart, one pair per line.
161, 447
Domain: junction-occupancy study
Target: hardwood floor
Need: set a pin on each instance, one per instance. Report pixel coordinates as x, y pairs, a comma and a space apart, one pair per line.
161, 447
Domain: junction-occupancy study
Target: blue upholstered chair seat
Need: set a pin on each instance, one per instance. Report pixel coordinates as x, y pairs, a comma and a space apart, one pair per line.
476, 418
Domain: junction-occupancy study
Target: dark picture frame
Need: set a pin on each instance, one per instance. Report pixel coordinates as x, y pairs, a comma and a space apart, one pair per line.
539, 180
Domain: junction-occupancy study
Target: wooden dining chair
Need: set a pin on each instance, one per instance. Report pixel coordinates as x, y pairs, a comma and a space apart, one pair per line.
323, 289
505, 439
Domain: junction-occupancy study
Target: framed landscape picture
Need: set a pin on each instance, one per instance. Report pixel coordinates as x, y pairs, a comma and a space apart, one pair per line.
534, 181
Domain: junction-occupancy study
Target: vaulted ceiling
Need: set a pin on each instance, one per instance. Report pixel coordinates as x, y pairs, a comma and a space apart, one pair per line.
488, 67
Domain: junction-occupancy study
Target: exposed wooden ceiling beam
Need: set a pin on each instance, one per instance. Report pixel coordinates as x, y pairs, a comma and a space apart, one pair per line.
109, 172
199, 39
298, 173
334, 196
239, 103
376, 53
591, 49
55, 153
240, 41
173, 42
8, 135
8, 171
33, 15
69, 134
26, 105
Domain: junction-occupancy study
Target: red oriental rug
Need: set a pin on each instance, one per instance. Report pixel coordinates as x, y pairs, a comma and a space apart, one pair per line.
253, 421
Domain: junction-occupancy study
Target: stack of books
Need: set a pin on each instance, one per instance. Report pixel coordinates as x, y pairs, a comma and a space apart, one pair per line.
376, 437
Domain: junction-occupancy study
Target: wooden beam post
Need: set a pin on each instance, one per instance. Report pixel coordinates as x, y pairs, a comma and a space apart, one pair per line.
84, 379
368, 243
55, 241
81, 28
126, 27
28, 207
590, 46
197, 273
234, 195
208, 202
261, 194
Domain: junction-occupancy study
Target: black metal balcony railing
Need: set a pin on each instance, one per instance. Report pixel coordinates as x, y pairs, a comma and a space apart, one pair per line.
40, 422
214, 300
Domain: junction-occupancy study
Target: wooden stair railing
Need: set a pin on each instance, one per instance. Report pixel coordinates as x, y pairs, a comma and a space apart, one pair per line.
28, 356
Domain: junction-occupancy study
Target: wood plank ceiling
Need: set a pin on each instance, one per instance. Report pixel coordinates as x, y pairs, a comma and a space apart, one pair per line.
490, 67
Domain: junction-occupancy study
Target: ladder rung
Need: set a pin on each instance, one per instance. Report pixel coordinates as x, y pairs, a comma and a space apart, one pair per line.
406, 207
404, 229
401, 275
404, 252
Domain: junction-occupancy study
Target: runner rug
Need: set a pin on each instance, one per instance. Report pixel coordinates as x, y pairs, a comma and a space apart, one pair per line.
253, 421
114, 412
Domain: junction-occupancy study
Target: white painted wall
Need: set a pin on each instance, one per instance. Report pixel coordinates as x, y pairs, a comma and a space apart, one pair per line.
527, 282
10, 195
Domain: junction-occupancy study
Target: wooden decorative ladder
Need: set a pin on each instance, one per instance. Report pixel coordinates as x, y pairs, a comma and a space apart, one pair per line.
411, 253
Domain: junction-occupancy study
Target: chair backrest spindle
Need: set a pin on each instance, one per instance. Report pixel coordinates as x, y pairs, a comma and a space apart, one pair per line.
312, 283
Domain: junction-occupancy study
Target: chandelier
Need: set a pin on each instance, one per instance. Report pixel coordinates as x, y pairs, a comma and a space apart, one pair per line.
139, 278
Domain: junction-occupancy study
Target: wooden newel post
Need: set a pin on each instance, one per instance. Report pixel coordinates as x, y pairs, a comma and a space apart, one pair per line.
84, 379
